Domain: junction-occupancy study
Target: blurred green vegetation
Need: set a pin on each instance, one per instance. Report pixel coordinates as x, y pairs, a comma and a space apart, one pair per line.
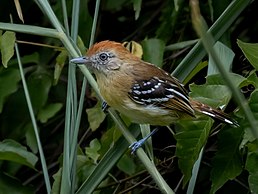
103, 161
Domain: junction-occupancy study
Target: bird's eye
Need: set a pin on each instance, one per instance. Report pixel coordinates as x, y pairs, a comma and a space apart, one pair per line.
103, 56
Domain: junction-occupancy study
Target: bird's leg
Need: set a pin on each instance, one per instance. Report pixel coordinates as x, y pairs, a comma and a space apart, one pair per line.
104, 106
134, 146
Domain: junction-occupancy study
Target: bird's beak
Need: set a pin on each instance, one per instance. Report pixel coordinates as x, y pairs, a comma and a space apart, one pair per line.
81, 60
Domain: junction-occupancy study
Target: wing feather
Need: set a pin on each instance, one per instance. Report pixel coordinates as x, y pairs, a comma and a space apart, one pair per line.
164, 93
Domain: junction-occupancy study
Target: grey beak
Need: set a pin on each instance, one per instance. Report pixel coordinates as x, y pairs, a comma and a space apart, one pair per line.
81, 60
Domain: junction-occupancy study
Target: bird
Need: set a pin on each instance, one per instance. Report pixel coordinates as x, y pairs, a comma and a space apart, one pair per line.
140, 90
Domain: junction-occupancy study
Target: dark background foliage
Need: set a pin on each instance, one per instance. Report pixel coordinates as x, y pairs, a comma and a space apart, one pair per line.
157, 19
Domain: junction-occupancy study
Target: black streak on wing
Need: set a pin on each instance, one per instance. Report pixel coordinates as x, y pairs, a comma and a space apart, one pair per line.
162, 93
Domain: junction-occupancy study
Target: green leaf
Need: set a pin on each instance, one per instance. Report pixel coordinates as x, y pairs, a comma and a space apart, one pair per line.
114, 4
85, 167
9, 79
195, 71
214, 92
127, 165
176, 4
95, 116
180, 45
13, 186
168, 20
253, 180
26, 59
39, 84
248, 137
60, 62
107, 162
253, 104
137, 8
252, 79
109, 137
153, 50
7, 46
92, 151
31, 138
219, 27
81, 45
251, 162
57, 182
227, 162
49, 111
190, 140
13, 151
250, 51
226, 56
251, 166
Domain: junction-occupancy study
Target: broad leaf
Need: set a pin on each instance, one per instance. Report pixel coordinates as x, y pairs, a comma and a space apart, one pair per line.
253, 104
153, 50
214, 92
57, 182
92, 151
13, 151
16, 116
31, 138
250, 51
9, 79
60, 62
9, 185
226, 164
127, 165
26, 59
251, 166
48, 111
7, 46
226, 56
253, 180
109, 137
114, 4
39, 84
190, 140
85, 168
95, 116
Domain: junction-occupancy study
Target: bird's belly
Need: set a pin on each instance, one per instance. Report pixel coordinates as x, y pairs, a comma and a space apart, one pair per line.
149, 114
138, 113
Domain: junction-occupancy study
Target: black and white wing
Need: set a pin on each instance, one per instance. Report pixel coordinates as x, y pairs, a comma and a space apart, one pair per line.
163, 93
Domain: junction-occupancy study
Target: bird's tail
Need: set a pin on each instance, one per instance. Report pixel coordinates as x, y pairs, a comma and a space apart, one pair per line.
213, 113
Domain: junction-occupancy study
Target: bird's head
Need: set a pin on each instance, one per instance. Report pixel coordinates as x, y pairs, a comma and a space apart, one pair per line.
105, 57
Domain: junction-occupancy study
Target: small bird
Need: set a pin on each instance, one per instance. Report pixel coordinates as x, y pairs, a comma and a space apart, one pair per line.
140, 90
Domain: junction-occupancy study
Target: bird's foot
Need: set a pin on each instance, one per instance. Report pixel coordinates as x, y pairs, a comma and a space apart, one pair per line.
136, 145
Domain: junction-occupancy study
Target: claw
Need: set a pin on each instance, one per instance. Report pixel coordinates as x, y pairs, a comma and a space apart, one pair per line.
104, 107
136, 145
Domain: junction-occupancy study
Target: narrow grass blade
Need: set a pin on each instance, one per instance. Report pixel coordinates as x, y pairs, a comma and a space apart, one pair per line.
34, 123
196, 167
